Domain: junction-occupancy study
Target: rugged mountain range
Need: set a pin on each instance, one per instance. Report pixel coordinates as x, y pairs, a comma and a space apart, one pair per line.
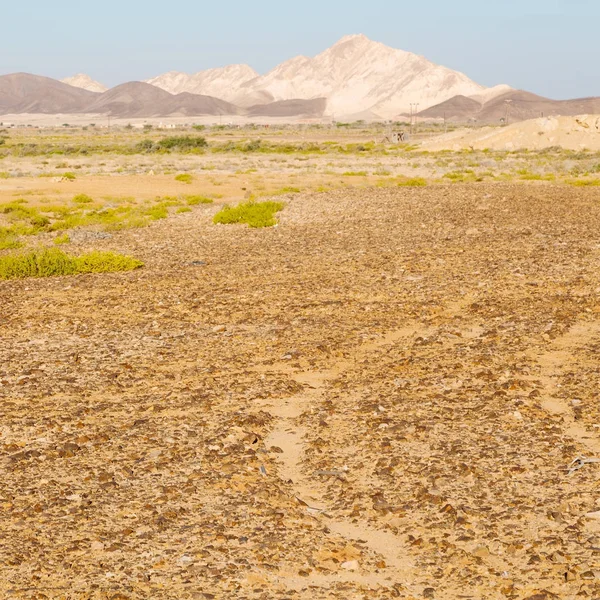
354, 79
221, 83
357, 76
22, 93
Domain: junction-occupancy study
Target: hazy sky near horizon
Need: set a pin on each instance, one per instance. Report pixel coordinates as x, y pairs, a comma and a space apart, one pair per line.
550, 47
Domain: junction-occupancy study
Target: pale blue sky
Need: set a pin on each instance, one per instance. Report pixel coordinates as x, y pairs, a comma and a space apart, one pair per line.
551, 47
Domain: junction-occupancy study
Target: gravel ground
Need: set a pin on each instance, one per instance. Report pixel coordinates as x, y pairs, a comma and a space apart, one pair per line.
379, 398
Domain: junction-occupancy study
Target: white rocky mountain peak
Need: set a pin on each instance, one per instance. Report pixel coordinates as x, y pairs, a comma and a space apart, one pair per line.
85, 82
221, 82
358, 76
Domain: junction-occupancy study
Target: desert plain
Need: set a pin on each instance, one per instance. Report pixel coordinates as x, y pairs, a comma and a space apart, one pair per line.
391, 393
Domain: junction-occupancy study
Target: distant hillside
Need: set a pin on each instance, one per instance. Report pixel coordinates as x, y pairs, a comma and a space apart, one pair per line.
459, 108
138, 99
25, 93
517, 105
289, 108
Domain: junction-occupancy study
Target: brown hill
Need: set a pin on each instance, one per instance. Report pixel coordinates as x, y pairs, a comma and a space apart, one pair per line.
523, 106
187, 104
134, 99
290, 108
25, 93
458, 108
138, 99
517, 105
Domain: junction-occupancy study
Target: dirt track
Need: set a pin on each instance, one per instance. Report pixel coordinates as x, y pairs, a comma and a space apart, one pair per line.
377, 399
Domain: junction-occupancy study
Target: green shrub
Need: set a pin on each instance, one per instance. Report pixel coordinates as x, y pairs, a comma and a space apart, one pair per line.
584, 182
195, 200
252, 146
69, 176
54, 262
4, 175
156, 212
184, 178
355, 174
183, 209
183, 143
82, 199
62, 239
413, 182
9, 242
255, 214
146, 146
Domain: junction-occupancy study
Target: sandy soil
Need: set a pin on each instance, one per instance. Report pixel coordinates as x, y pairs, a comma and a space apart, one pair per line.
573, 133
379, 398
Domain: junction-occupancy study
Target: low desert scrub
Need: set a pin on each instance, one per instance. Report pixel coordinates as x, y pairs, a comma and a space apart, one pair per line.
468, 175
355, 174
184, 178
195, 200
8, 241
285, 190
183, 209
584, 182
52, 262
183, 144
412, 182
255, 214
527, 175
82, 199
61, 240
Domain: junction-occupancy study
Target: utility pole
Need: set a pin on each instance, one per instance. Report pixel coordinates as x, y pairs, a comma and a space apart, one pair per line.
416, 117
507, 102
414, 108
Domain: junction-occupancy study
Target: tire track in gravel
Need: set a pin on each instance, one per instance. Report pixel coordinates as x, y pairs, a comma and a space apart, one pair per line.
289, 434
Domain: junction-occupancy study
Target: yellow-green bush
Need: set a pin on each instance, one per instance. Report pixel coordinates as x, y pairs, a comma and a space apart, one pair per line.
194, 200
82, 199
184, 178
255, 214
52, 262
413, 182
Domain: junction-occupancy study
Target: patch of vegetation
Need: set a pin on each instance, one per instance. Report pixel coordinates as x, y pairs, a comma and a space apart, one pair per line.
183, 209
184, 178
462, 176
527, 175
8, 242
53, 262
355, 174
584, 182
255, 214
195, 200
285, 190
413, 182
70, 176
82, 199
183, 143
61, 240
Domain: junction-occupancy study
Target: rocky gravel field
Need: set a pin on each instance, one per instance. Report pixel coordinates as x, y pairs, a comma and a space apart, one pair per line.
394, 393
